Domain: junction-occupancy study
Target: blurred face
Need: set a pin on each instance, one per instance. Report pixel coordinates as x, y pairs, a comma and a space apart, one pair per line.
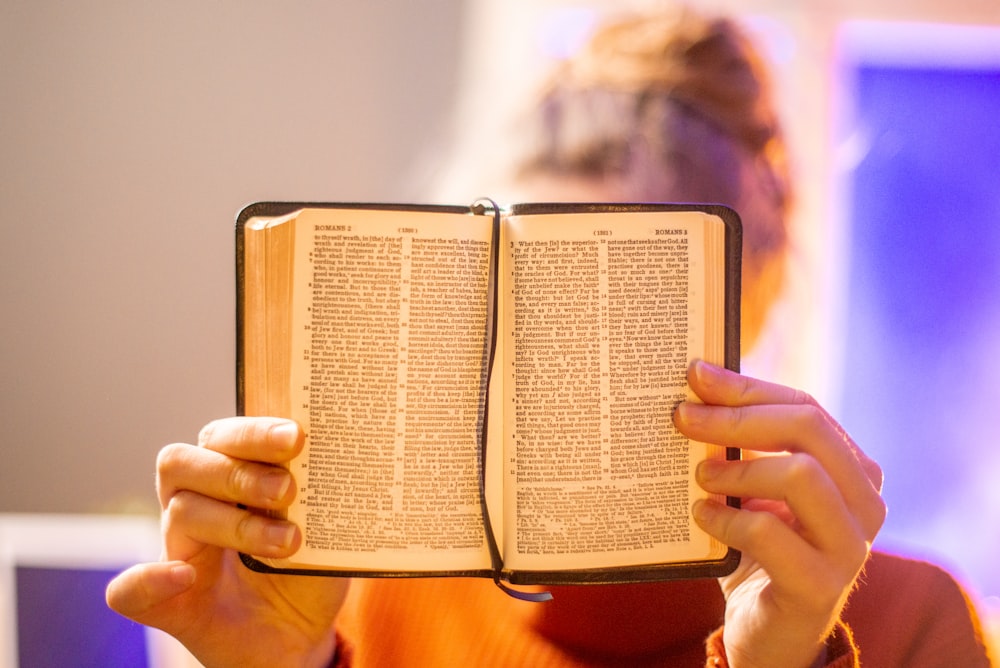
549, 188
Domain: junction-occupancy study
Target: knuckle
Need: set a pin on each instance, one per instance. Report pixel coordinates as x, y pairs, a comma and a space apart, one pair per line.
879, 514
255, 431
180, 507
206, 433
248, 432
810, 418
804, 398
744, 387
804, 472
243, 529
738, 415
883, 511
169, 465
169, 519
239, 480
875, 473
754, 528
169, 457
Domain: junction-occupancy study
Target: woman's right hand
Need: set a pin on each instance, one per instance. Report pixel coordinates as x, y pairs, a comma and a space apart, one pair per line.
200, 592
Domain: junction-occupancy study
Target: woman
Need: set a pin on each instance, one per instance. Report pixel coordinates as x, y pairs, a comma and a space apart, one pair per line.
665, 107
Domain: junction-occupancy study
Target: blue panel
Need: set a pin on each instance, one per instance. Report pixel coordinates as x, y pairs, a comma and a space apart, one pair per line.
63, 622
922, 377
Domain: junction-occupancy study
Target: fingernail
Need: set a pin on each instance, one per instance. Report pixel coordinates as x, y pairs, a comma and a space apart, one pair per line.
275, 484
708, 470
182, 575
702, 511
688, 413
279, 535
706, 371
285, 435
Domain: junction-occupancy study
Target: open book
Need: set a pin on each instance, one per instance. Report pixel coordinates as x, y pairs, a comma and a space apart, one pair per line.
485, 391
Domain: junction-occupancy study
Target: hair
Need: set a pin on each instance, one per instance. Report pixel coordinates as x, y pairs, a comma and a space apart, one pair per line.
673, 106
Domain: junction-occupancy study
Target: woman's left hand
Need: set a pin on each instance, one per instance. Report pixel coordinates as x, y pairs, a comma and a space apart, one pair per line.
807, 518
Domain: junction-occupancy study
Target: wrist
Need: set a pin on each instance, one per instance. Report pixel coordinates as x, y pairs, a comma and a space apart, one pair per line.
837, 651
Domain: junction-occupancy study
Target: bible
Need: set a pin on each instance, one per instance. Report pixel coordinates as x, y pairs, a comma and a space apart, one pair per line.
489, 391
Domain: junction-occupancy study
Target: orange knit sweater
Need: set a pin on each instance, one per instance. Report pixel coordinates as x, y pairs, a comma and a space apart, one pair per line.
904, 613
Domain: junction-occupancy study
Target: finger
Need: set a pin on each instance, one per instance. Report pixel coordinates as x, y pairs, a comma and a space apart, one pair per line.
718, 386
216, 475
192, 521
140, 589
754, 414
261, 439
792, 428
820, 514
797, 570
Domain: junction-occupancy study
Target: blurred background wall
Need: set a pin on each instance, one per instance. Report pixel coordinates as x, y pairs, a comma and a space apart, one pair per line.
130, 134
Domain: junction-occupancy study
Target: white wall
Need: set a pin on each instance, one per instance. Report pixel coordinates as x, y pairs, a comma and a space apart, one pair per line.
130, 133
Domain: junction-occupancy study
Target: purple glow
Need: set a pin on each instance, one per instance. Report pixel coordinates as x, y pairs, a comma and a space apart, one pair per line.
922, 356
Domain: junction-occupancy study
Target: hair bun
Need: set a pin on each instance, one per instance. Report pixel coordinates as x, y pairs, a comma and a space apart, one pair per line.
704, 63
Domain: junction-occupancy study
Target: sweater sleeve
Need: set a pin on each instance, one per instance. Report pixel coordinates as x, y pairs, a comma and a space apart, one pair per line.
342, 654
841, 651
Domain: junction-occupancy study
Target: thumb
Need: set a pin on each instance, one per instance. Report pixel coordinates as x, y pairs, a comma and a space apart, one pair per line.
140, 589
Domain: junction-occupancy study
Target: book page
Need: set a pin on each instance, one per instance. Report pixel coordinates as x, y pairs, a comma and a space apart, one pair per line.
387, 351
603, 316
268, 248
